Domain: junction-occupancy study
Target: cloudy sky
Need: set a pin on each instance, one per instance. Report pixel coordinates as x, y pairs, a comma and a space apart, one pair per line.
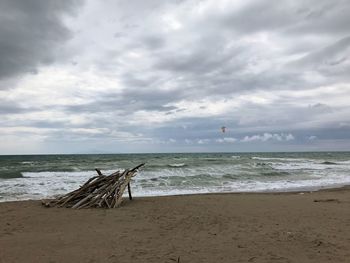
165, 76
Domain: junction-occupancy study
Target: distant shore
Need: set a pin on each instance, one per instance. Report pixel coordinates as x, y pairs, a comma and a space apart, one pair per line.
243, 227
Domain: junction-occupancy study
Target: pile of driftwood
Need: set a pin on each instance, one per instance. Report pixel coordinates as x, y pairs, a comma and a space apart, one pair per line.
98, 191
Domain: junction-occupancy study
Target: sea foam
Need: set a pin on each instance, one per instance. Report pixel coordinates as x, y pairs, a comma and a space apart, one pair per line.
171, 175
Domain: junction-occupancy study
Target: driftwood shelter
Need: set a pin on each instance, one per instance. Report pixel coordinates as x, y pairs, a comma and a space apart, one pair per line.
99, 191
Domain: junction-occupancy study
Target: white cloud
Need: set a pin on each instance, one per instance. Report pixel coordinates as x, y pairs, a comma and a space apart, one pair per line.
289, 137
226, 139
269, 136
203, 141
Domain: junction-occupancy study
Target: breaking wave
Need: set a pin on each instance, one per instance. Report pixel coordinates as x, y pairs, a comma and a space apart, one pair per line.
175, 173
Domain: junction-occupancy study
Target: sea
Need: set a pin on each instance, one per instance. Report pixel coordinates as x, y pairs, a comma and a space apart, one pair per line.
24, 177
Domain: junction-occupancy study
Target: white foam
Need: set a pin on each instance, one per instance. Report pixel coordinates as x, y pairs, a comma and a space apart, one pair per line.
343, 162
187, 180
41, 184
248, 186
53, 175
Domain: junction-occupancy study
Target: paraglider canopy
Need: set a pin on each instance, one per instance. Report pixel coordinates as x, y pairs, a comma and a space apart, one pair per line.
223, 129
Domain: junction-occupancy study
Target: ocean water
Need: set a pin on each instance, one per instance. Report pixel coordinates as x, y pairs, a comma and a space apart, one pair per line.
44, 176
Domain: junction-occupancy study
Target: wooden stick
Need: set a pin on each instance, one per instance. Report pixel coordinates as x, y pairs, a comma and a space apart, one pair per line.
98, 171
129, 191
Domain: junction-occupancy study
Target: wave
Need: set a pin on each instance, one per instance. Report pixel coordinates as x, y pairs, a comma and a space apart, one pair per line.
279, 159
211, 159
235, 184
170, 175
328, 163
10, 174
262, 164
275, 173
52, 175
344, 162
176, 165
301, 166
27, 162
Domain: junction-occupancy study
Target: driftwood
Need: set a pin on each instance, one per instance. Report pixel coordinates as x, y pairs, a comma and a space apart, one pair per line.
98, 191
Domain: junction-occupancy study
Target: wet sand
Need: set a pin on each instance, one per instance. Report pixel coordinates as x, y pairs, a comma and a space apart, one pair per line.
287, 227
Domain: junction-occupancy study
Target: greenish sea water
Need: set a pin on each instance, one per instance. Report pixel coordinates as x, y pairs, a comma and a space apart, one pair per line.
40, 176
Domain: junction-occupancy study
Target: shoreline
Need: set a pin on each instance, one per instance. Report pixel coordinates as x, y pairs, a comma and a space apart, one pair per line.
278, 192
216, 227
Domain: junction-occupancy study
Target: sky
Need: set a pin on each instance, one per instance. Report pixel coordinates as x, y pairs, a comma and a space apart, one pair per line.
164, 76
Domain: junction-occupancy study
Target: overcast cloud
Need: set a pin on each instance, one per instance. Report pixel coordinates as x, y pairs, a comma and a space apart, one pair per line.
164, 76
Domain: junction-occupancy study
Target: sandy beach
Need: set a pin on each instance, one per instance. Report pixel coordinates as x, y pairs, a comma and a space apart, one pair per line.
275, 227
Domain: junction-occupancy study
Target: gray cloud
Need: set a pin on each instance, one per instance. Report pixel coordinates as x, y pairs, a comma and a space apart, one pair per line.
173, 73
314, 17
210, 58
31, 34
8, 106
332, 55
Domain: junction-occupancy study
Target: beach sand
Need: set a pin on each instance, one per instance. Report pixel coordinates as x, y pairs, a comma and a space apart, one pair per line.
286, 227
